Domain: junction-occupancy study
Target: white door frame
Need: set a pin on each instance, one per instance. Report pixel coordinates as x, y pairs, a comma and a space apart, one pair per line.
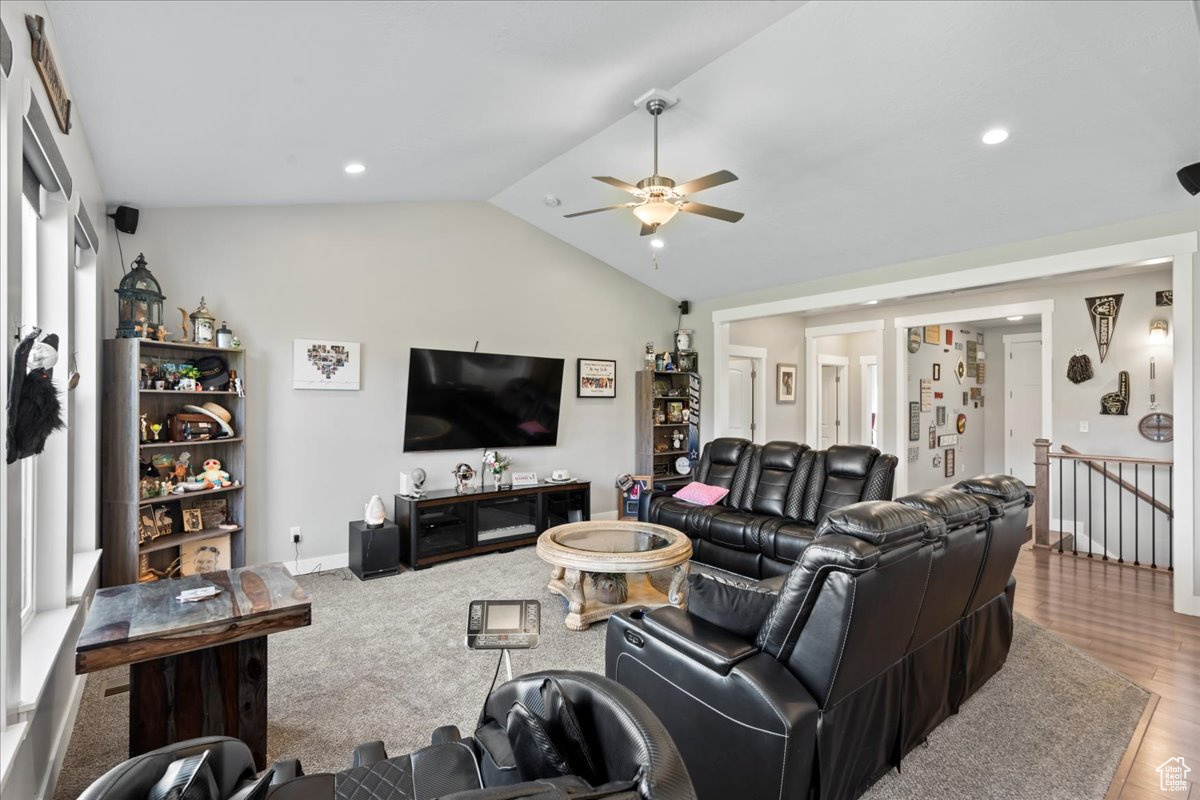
759, 356
843, 395
864, 410
811, 423
1178, 249
1042, 308
1017, 338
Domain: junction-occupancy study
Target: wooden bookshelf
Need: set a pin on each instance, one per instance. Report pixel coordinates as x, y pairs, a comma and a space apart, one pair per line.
655, 451
125, 458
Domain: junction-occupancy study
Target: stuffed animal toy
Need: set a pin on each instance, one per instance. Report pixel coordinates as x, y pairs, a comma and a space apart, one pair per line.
34, 410
213, 475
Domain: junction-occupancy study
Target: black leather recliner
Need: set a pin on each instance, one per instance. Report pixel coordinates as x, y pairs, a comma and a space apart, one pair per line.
544, 736
778, 493
826, 696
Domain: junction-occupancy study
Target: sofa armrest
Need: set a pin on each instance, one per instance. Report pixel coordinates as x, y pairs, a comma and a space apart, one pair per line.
714, 647
644, 502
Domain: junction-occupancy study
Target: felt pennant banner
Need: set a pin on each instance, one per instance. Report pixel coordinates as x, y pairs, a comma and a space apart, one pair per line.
1104, 310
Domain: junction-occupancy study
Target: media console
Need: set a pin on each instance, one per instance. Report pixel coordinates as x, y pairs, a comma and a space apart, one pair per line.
444, 525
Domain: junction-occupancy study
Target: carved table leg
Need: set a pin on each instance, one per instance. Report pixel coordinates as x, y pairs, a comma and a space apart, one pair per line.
675, 593
573, 591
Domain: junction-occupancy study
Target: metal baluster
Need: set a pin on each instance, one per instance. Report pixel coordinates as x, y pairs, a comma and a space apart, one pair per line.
1153, 517
1104, 491
1120, 513
1061, 516
1171, 517
1136, 552
1075, 506
1090, 528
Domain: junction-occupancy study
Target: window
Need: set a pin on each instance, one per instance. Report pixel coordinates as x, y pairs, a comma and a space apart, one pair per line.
29, 297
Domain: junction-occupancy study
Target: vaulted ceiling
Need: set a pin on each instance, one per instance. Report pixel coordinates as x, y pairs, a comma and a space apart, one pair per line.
854, 127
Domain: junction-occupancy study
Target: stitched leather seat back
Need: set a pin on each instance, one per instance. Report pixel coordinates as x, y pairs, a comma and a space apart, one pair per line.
956, 562
771, 475
1008, 501
719, 464
624, 734
845, 474
848, 608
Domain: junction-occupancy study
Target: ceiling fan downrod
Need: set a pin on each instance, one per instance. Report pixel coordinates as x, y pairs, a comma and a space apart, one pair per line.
656, 106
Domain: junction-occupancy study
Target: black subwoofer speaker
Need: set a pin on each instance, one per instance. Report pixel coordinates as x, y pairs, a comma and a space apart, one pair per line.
374, 552
125, 218
1189, 176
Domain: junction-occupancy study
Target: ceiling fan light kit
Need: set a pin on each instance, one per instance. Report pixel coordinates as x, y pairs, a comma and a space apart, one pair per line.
659, 197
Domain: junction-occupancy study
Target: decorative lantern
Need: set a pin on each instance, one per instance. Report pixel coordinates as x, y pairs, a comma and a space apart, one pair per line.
140, 305
683, 339
203, 324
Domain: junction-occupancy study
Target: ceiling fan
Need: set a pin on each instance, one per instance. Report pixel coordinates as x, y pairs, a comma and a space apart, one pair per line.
659, 198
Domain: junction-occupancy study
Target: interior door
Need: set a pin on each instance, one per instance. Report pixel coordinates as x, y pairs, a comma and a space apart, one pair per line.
831, 402
1022, 406
741, 397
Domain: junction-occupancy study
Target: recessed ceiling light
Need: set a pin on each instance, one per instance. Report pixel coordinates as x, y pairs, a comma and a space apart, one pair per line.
657, 244
355, 169
870, 302
1017, 318
995, 136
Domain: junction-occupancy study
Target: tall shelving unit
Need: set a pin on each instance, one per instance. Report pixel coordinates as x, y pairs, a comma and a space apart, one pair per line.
657, 455
125, 455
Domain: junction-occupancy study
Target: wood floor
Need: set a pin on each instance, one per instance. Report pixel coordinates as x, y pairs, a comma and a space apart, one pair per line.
1122, 617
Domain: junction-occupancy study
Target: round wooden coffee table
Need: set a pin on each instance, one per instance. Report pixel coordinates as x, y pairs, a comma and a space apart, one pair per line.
632, 548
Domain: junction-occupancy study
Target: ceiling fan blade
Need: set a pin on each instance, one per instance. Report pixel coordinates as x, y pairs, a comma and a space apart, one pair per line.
707, 182
598, 210
648, 229
620, 184
711, 211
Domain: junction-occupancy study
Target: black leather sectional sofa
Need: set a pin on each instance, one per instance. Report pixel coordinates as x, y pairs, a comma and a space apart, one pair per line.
778, 494
817, 682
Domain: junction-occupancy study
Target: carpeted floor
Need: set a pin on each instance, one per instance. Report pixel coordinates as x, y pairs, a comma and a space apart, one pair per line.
385, 660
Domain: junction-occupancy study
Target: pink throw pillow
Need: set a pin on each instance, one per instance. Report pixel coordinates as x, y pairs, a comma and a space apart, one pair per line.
702, 493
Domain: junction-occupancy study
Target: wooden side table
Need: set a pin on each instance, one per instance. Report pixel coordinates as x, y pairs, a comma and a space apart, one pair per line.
195, 669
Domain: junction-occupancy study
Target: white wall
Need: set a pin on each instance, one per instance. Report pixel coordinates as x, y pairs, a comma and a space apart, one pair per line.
783, 337
393, 276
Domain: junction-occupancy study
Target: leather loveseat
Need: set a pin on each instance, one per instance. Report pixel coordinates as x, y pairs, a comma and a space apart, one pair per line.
816, 683
544, 736
778, 494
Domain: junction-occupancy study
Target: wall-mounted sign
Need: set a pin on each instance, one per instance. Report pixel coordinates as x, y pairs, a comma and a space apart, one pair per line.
1104, 311
43, 60
1164, 298
949, 463
948, 440
941, 416
933, 334
926, 394
914, 422
972, 358
1117, 403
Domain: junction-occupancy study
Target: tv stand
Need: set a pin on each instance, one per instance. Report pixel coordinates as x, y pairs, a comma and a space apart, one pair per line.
444, 525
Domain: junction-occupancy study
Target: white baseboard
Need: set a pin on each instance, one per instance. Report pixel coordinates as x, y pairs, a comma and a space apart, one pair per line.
339, 560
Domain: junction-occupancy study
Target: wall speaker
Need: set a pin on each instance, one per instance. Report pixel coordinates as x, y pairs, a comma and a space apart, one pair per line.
1189, 176
685, 307
126, 219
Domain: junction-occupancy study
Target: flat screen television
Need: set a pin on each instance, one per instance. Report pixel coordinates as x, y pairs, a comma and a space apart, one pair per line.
464, 401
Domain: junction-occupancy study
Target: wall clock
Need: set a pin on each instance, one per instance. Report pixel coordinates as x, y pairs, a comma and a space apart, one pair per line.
1157, 427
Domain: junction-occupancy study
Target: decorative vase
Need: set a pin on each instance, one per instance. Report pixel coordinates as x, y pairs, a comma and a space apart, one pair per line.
610, 588
498, 478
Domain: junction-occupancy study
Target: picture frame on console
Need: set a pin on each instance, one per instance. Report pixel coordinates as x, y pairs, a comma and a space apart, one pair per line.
596, 377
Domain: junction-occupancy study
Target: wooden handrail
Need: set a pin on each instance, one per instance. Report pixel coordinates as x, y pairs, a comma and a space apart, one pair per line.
1124, 484
1070, 454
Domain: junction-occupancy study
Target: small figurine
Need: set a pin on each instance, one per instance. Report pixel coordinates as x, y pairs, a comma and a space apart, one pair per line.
161, 333
668, 366
185, 324
677, 439
213, 476
649, 355
155, 428
144, 423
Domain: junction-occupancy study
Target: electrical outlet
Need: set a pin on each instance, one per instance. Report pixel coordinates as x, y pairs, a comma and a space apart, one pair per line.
295, 534
1083, 426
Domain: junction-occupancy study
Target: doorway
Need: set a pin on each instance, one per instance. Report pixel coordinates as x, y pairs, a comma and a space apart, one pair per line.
844, 343
747, 394
869, 381
832, 400
1022, 402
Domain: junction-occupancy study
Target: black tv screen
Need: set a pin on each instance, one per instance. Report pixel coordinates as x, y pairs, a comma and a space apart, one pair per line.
463, 401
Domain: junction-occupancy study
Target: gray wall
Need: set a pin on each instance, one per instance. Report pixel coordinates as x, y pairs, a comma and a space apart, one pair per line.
393, 276
783, 337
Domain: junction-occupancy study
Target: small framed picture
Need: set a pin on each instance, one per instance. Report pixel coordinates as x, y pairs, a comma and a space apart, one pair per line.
147, 525
631, 497
933, 334
204, 555
163, 521
937, 372
785, 383
193, 520
597, 378
949, 462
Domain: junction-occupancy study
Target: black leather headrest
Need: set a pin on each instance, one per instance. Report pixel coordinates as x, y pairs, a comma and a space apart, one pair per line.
726, 450
955, 508
850, 460
781, 455
882, 523
1002, 487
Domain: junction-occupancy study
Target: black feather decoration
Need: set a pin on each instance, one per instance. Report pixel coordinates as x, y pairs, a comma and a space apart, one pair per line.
34, 410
